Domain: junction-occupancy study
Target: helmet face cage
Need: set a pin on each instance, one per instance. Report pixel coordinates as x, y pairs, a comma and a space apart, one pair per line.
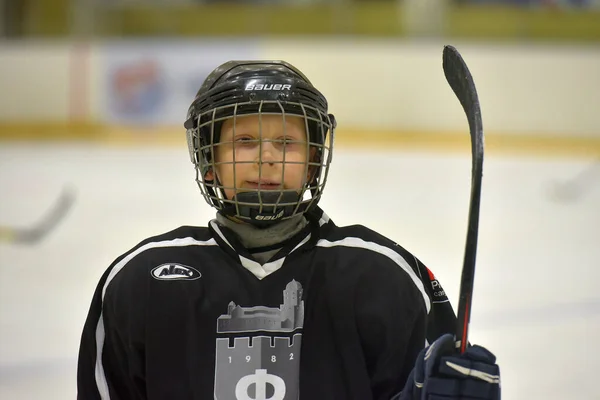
274, 202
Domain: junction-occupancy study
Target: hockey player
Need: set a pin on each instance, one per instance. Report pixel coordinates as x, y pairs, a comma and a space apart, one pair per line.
272, 300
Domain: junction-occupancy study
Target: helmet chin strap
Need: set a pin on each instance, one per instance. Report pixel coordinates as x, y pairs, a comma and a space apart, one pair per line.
249, 206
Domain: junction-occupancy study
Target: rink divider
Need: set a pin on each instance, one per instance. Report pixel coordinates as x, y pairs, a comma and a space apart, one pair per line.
380, 140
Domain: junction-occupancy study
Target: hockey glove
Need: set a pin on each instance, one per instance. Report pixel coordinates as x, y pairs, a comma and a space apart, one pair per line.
441, 373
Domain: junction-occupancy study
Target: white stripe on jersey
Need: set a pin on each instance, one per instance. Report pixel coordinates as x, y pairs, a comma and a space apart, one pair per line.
324, 219
386, 251
215, 226
100, 333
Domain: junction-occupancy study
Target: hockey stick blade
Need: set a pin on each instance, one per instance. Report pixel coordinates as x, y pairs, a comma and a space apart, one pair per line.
39, 231
460, 80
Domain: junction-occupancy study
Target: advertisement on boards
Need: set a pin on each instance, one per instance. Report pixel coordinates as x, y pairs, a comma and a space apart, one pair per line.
155, 82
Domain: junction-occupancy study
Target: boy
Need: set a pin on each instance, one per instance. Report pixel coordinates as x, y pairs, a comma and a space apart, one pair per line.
271, 300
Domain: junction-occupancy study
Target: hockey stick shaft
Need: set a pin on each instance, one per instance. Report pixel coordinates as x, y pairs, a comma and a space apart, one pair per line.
460, 80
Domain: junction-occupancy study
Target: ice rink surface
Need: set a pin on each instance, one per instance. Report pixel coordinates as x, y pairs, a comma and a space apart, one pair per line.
537, 299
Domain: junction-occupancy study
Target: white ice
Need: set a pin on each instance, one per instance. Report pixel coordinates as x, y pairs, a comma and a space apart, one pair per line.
536, 303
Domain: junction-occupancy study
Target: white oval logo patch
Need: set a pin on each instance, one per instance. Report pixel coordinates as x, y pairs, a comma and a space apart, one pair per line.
173, 272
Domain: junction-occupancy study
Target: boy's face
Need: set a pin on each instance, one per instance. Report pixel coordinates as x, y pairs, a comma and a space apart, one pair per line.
258, 151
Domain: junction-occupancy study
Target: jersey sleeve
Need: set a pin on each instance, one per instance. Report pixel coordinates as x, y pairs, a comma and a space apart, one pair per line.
392, 322
111, 353
441, 318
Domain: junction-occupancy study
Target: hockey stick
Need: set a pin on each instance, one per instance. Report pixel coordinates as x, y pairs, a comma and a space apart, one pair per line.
459, 77
39, 231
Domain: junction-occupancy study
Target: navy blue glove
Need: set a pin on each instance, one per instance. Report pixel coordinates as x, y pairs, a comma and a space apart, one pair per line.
441, 373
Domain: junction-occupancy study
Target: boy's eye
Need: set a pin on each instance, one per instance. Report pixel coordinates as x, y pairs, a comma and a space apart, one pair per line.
285, 140
244, 139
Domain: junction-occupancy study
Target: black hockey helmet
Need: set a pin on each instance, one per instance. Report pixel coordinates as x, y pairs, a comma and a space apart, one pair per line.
238, 88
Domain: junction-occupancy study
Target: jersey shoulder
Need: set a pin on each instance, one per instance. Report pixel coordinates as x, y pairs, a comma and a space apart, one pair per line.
179, 237
441, 316
168, 247
387, 255
361, 233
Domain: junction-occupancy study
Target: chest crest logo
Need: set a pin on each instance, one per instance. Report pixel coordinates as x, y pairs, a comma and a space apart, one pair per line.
175, 272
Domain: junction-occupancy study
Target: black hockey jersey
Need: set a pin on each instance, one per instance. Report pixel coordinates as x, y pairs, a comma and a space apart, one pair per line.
342, 315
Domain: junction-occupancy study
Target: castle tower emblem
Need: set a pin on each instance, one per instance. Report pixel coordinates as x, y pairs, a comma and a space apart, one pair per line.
288, 317
264, 367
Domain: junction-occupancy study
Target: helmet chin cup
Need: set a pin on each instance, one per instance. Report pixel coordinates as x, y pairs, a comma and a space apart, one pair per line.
263, 208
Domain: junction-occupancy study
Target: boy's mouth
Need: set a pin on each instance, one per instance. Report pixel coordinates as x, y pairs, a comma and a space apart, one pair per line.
263, 184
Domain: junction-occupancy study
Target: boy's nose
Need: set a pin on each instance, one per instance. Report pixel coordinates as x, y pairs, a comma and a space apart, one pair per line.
266, 154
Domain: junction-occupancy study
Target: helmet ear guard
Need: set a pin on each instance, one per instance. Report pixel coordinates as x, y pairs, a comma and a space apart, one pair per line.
259, 88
